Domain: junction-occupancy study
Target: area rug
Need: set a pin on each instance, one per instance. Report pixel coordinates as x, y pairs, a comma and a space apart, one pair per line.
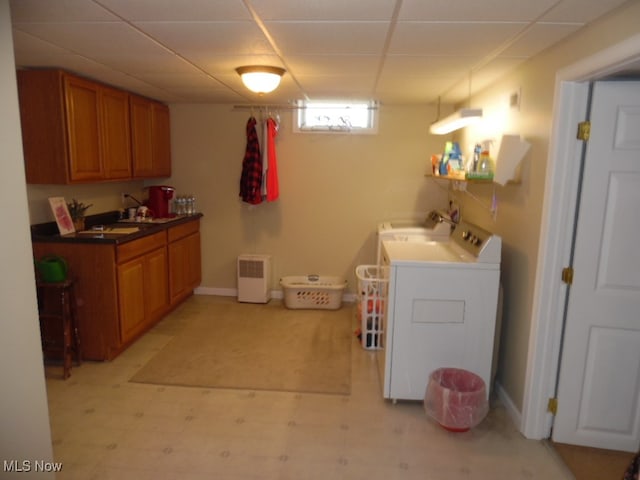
257, 347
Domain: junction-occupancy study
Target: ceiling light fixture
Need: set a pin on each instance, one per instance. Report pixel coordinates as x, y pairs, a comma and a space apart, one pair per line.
456, 121
260, 79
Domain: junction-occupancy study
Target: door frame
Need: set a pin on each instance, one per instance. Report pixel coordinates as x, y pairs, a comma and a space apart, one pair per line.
556, 228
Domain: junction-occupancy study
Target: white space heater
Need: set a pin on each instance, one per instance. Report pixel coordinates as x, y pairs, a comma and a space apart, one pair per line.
254, 275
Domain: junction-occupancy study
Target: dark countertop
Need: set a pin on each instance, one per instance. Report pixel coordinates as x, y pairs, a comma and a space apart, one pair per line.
48, 232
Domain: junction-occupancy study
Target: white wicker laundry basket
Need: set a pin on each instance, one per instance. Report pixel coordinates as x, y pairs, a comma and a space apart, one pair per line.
313, 291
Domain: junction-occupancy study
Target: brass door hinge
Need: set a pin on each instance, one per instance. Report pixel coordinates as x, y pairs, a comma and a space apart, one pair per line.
552, 406
567, 275
584, 130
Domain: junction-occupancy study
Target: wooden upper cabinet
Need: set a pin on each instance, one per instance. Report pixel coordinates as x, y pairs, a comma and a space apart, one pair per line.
83, 129
150, 137
76, 130
116, 133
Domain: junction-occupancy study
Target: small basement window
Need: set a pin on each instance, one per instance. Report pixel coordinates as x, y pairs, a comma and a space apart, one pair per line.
336, 117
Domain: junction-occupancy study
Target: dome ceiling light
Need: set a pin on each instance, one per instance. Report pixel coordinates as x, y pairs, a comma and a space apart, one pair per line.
260, 79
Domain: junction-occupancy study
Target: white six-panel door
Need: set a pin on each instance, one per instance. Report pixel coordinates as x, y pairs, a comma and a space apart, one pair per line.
599, 382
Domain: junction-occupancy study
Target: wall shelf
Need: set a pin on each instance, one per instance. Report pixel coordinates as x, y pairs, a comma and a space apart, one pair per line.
460, 178
460, 184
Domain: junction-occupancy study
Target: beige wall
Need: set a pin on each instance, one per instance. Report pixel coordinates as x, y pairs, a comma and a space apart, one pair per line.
520, 206
334, 189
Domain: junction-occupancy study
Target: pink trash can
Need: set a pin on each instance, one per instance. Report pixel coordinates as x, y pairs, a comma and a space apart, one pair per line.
456, 399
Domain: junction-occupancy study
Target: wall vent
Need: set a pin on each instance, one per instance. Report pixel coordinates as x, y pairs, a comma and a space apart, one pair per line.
254, 278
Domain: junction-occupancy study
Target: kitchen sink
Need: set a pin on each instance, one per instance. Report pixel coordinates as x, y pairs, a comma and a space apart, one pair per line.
147, 222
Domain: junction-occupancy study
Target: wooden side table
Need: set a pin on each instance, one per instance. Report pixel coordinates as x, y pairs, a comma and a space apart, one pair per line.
58, 325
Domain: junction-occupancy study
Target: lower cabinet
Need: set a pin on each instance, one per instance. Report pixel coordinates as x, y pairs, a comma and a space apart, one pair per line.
122, 290
142, 292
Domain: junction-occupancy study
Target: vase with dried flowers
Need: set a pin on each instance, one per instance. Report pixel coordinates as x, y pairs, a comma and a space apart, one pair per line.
77, 210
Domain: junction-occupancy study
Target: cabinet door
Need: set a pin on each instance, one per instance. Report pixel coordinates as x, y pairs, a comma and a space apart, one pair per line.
150, 136
131, 298
83, 129
141, 137
184, 266
116, 133
161, 140
156, 292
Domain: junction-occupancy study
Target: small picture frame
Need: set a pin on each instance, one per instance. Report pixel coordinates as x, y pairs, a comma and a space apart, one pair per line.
61, 213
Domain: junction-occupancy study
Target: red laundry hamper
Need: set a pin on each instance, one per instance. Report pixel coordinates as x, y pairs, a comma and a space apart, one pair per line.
456, 399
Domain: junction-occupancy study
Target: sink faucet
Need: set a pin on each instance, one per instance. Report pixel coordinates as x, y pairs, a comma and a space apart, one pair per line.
127, 195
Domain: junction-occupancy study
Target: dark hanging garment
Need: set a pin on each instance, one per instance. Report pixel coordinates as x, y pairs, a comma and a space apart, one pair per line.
251, 179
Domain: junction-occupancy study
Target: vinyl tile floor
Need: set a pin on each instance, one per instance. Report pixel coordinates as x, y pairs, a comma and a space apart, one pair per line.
105, 427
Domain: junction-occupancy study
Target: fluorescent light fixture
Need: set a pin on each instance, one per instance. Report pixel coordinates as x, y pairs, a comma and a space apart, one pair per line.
260, 79
457, 120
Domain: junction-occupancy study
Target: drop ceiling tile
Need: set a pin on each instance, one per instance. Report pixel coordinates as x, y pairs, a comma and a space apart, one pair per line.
93, 38
539, 37
206, 95
474, 39
226, 64
436, 65
581, 11
179, 80
209, 38
474, 10
361, 10
188, 50
24, 43
179, 11
159, 62
304, 38
334, 64
410, 89
23, 11
338, 86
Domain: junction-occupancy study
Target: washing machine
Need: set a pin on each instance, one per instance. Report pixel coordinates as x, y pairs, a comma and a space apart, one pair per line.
436, 226
440, 309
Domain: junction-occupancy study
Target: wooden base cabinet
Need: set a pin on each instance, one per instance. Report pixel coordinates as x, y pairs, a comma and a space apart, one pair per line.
142, 285
122, 290
96, 290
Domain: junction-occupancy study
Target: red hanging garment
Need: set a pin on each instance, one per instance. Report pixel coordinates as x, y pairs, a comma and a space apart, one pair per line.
273, 189
251, 179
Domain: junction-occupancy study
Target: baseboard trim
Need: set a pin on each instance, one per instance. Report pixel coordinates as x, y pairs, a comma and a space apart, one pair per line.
277, 294
512, 410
